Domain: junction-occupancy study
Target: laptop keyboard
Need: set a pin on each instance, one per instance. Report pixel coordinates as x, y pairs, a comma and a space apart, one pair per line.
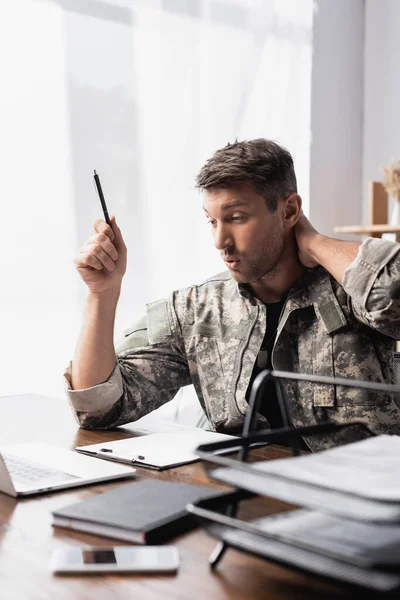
28, 472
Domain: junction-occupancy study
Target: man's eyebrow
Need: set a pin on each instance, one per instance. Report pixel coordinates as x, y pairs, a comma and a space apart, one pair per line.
233, 204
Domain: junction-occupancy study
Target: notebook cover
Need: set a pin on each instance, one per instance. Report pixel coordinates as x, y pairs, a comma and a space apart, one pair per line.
156, 510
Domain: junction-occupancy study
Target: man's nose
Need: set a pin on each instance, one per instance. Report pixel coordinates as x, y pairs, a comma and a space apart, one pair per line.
222, 237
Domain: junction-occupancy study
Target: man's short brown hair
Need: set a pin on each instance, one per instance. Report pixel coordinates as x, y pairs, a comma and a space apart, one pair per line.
265, 164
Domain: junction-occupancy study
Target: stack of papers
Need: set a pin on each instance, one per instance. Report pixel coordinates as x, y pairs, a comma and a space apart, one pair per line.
359, 480
360, 543
319, 561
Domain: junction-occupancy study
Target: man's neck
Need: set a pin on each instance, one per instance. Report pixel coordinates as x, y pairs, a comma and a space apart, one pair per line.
274, 286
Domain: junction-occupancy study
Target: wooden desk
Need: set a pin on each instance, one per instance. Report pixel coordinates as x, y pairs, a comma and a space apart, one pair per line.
27, 537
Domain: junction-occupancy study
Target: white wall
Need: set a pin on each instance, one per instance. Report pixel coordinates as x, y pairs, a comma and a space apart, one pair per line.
38, 288
381, 90
337, 114
355, 106
152, 93
143, 92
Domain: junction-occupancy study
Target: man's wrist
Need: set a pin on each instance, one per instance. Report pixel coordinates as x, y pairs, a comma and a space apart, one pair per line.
334, 255
315, 247
103, 301
108, 296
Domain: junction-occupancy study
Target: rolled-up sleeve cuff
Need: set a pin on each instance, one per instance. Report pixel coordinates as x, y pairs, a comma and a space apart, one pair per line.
359, 277
97, 398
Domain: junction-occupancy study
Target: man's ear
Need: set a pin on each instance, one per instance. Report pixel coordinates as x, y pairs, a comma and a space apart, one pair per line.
291, 210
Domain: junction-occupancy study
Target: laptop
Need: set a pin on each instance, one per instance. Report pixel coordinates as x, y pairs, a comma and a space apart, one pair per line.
34, 468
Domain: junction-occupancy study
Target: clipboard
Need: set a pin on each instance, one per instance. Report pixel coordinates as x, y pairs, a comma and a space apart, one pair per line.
157, 451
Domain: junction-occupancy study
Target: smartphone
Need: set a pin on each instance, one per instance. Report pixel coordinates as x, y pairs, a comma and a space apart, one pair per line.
119, 559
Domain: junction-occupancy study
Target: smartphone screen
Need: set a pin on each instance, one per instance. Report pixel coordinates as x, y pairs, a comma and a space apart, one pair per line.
155, 559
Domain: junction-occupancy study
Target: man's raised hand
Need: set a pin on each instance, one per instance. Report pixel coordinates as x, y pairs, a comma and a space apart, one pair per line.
101, 262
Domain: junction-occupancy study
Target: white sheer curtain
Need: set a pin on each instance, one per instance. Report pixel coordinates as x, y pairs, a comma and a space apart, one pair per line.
144, 92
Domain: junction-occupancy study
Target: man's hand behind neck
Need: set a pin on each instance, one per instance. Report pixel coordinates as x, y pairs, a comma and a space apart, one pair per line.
317, 249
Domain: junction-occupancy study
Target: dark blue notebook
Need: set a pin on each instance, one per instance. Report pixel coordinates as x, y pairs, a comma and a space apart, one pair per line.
145, 512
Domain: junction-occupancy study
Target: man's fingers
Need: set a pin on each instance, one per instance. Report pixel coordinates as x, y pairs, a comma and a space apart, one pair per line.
100, 239
100, 226
85, 259
99, 251
119, 240
94, 256
102, 256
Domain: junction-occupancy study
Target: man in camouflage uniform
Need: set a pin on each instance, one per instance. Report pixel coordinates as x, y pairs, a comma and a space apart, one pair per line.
292, 300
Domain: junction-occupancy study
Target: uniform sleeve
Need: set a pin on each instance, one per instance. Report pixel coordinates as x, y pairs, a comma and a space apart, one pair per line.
367, 281
151, 367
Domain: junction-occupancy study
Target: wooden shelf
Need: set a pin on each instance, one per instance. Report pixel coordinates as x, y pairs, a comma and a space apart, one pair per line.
378, 215
366, 229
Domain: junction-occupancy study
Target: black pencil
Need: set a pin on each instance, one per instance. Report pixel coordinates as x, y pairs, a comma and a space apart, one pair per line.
101, 196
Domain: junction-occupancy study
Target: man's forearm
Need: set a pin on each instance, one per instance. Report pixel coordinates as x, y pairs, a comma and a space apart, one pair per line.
334, 255
94, 358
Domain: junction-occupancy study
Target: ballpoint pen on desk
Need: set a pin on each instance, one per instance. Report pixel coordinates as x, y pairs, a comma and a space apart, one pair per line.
101, 196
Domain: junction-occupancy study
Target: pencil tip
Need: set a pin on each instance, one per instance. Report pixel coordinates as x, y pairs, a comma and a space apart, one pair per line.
95, 172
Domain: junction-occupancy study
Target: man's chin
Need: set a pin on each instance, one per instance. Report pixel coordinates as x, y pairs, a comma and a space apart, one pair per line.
243, 275
240, 277
248, 278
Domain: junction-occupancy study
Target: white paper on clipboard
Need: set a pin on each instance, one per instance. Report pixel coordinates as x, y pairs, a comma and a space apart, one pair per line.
156, 450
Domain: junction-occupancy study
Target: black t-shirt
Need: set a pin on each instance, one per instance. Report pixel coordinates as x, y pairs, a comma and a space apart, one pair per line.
269, 405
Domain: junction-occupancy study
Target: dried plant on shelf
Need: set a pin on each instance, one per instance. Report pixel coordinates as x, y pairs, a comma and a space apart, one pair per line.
391, 179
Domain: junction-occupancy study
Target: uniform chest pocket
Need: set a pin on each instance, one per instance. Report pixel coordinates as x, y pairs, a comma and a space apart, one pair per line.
333, 361
354, 357
315, 356
347, 353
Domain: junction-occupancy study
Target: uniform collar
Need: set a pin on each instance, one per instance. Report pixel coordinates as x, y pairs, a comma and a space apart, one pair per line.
304, 292
313, 288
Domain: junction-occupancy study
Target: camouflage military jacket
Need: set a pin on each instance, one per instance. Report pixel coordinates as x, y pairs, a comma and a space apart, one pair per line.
210, 335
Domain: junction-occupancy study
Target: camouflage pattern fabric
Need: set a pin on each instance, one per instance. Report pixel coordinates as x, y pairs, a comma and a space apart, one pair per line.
210, 335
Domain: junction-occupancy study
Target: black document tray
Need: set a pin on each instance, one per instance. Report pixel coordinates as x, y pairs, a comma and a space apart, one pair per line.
247, 537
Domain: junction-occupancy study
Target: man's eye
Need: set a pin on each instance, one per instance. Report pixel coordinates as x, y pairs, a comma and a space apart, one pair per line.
237, 218
211, 223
